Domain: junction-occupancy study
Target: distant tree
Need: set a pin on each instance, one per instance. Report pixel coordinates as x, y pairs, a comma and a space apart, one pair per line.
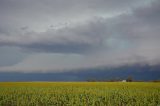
91, 80
129, 79
156, 81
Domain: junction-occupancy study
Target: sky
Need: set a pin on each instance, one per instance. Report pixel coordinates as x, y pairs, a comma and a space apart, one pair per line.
60, 35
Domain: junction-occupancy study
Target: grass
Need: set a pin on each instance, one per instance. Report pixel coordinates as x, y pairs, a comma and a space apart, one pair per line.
79, 94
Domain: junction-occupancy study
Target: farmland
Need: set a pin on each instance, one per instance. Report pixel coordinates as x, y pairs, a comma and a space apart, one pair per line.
79, 94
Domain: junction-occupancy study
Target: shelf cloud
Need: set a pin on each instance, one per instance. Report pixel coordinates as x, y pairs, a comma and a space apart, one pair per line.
60, 35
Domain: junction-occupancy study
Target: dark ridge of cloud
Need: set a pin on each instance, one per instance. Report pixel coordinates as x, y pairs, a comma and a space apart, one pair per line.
77, 39
59, 48
138, 72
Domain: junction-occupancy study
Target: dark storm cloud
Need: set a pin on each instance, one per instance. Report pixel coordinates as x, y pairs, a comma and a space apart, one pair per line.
76, 39
84, 37
17, 14
111, 33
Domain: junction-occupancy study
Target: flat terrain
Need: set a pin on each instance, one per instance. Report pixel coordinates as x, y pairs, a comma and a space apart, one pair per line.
79, 94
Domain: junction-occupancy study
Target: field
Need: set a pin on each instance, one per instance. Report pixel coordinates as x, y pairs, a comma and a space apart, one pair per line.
79, 94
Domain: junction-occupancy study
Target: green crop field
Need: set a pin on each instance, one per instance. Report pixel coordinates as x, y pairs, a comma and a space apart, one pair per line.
79, 94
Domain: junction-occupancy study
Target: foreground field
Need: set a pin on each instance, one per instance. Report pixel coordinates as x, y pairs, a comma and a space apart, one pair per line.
79, 94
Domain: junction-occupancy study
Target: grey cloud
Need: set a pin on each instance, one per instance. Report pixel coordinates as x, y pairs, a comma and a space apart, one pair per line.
38, 14
77, 39
124, 31
149, 14
11, 56
127, 38
69, 6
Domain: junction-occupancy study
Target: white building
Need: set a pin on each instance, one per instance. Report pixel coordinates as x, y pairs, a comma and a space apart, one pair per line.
124, 81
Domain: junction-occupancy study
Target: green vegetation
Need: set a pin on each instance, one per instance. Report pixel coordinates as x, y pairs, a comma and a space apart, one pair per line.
79, 94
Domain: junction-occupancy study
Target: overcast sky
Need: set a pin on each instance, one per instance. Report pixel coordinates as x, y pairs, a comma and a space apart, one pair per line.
61, 35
